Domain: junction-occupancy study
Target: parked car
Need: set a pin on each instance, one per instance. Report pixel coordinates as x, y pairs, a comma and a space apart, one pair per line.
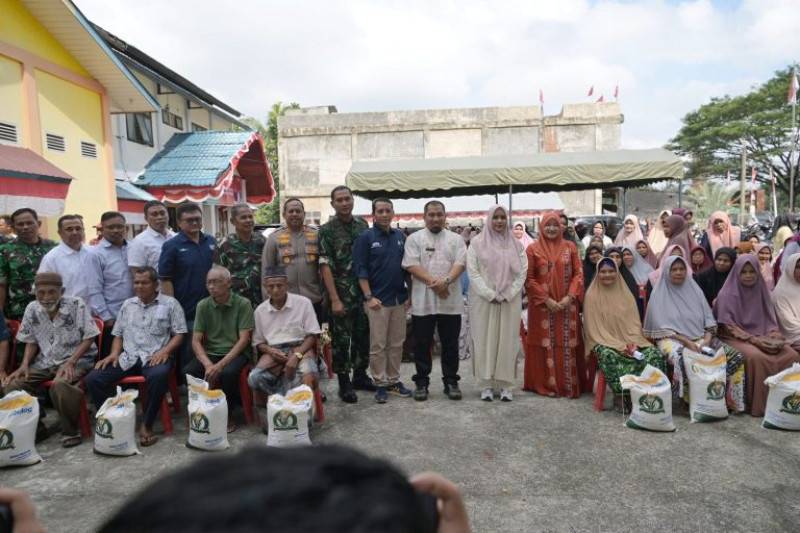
267, 229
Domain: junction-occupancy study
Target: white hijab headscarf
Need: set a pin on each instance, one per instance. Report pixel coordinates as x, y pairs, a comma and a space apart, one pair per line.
786, 298
629, 239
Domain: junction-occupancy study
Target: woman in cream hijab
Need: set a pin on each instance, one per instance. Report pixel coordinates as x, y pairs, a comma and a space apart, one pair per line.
656, 239
786, 298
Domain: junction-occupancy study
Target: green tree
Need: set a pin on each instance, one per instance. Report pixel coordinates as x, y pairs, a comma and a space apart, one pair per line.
711, 136
270, 213
707, 196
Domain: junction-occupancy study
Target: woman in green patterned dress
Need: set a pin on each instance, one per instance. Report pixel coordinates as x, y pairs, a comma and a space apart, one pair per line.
613, 331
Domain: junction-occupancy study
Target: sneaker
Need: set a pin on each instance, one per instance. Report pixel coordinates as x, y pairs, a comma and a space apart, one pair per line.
487, 395
399, 389
421, 393
452, 391
506, 395
361, 381
381, 396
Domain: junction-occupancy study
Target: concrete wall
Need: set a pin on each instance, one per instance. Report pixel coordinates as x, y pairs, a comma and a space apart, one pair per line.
317, 146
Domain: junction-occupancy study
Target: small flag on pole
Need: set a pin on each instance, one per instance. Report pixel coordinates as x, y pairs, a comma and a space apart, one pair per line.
616, 92
793, 86
601, 99
541, 97
753, 177
728, 179
591, 91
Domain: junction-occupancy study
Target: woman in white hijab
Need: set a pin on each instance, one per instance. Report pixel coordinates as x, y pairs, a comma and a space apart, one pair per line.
786, 298
631, 232
497, 266
637, 265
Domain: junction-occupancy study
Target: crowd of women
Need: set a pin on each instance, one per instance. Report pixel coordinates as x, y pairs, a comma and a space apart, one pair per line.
633, 301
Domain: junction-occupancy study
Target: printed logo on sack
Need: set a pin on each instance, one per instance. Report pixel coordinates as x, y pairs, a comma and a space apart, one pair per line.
651, 404
716, 390
103, 428
6, 440
284, 420
790, 404
198, 422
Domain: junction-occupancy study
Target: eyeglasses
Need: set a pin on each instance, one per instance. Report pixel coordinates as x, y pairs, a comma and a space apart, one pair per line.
193, 220
114, 226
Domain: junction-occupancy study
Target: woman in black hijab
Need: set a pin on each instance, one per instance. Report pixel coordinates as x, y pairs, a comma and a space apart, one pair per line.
713, 278
615, 253
593, 256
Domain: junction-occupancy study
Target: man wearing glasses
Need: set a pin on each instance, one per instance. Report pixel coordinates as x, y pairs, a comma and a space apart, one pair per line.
184, 263
110, 282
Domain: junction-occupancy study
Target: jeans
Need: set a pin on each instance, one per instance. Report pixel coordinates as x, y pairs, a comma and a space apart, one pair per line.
448, 327
101, 385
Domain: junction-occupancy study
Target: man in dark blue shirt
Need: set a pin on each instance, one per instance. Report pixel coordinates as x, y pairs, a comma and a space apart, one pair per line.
185, 261
378, 256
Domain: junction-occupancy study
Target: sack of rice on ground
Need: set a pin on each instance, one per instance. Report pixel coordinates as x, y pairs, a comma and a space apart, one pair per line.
19, 415
115, 424
783, 402
288, 417
208, 416
707, 378
651, 397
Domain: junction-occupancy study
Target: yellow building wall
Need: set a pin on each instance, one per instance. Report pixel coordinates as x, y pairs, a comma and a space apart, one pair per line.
220, 124
177, 106
75, 113
19, 28
11, 101
200, 117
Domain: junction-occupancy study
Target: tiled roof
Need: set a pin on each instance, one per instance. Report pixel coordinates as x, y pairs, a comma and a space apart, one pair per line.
28, 164
129, 191
193, 159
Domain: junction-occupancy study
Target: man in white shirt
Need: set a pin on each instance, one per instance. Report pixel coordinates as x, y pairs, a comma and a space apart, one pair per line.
69, 259
145, 249
436, 257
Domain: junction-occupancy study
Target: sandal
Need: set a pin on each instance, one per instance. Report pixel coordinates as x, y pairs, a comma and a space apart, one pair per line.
147, 440
622, 405
232, 427
70, 442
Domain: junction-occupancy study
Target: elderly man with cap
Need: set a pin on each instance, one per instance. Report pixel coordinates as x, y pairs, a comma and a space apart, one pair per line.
59, 332
284, 338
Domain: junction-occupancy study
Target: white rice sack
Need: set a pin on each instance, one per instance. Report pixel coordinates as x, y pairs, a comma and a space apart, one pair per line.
651, 396
208, 416
288, 417
707, 378
115, 424
19, 415
783, 402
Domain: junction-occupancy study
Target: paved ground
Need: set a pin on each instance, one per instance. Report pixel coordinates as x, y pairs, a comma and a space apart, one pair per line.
536, 464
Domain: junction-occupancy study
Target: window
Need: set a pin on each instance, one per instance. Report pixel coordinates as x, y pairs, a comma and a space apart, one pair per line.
8, 133
139, 128
198, 127
171, 119
313, 217
88, 149
56, 143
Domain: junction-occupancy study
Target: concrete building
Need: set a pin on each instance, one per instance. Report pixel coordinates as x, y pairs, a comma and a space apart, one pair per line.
317, 145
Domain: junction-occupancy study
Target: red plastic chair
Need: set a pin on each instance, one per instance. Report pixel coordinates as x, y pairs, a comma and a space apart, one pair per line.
247, 396
141, 384
326, 355
600, 391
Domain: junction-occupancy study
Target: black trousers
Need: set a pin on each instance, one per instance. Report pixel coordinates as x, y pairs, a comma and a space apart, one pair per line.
448, 327
228, 378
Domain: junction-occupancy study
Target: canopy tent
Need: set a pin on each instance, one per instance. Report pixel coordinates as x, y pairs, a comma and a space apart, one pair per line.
455, 176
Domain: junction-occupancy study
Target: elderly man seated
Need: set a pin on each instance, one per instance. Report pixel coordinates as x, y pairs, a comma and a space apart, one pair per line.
60, 328
285, 338
149, 329
221, 339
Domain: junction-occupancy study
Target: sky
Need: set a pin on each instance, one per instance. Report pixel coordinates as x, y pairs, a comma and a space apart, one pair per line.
667, 57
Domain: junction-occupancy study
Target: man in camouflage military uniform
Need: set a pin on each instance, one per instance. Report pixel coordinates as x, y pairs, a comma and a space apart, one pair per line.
19, 261
240, 253
348, 321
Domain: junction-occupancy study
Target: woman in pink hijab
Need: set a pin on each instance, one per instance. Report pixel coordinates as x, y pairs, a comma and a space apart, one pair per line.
764, 254
720, 233
631, 232
497, 267
521, 233
677, 233
747, 321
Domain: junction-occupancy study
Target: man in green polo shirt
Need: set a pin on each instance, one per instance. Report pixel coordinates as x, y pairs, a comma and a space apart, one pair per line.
221, 338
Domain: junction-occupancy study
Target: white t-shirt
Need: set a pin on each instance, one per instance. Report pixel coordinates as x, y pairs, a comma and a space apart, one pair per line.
437, 253
145, 249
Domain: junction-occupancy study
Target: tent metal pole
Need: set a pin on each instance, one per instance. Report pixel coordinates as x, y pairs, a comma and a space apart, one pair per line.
510, 203
624, 202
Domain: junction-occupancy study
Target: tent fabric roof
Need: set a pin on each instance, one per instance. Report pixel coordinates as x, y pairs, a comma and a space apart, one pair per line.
454, 176
129, 191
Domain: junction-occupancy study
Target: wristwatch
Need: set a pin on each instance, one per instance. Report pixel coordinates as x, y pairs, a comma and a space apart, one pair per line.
447, 280
367, 297
299, 356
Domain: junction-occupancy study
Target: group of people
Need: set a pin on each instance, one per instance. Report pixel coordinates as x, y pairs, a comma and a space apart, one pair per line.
181, 301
